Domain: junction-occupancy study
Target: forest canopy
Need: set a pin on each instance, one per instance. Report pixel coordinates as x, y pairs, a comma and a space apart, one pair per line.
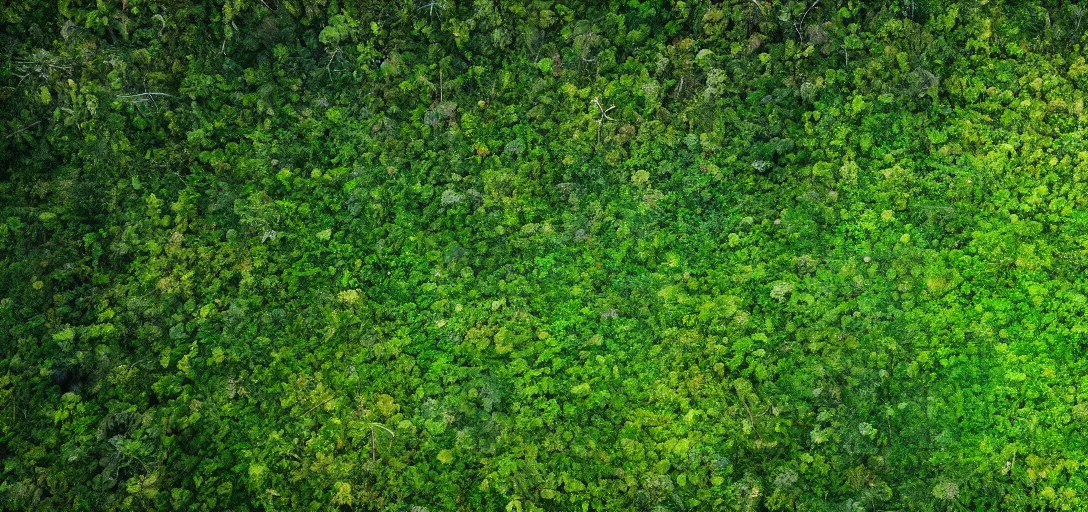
433, 255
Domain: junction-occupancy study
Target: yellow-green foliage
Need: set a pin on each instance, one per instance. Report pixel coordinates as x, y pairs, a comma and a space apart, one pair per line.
506, 255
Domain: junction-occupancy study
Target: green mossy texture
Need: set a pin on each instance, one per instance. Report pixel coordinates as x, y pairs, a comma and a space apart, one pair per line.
543, 255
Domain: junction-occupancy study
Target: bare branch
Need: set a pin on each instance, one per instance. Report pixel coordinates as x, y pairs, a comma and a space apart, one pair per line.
23, 129
604, 116
145, 94
604, 111
308, 411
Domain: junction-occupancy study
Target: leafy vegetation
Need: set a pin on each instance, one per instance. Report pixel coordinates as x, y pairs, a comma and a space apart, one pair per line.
546, 255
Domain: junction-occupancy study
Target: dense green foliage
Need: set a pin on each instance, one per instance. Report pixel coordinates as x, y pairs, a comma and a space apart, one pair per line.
507, 255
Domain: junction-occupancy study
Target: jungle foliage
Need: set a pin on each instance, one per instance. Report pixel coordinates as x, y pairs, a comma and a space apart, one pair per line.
543, 255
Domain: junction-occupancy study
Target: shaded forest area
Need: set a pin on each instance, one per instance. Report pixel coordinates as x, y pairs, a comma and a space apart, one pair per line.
508, 255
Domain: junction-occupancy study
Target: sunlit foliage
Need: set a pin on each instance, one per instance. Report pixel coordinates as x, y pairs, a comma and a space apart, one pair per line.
508, 255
